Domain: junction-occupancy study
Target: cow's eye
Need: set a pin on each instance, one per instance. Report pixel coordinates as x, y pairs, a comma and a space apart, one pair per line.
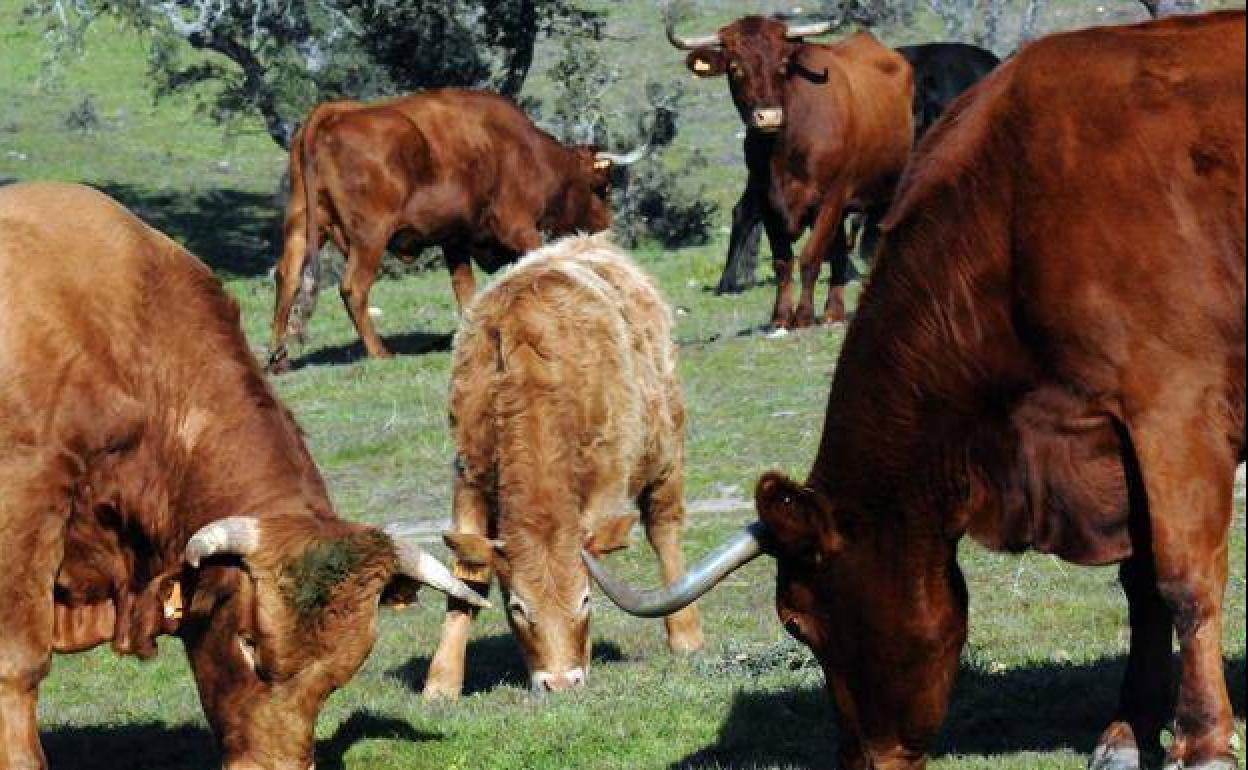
794, 627
734, 69
247, 646
584, 608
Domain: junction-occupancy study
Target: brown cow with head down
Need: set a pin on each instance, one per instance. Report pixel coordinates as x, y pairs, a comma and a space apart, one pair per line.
150, 483
463, 169
566, 410
833, 129
1049, 355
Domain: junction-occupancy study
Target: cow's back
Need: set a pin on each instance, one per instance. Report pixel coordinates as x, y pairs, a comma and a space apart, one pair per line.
75, 296
575, 350
1136, 168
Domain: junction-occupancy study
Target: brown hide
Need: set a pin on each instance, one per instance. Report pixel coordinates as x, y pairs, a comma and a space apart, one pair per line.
1050, 354
844, 135
132, 413
566, 410
463, 169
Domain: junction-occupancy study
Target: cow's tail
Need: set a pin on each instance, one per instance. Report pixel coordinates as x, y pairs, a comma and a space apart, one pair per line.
310, 271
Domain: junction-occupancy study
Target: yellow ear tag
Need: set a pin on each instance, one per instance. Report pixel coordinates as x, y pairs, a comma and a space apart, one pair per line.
173, 603
701, 66
602, 163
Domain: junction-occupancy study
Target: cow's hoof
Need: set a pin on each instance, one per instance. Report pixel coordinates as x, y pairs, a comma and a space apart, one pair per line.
1222, 763
279, 362
1226, 762
436, 692
1115, 758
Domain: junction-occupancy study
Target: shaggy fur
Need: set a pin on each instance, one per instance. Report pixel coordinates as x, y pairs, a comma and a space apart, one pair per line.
565, 409
132, 413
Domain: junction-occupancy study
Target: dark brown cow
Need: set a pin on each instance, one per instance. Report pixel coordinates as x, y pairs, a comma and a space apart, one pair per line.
150, 483
1049, 355
464, 169
842, 128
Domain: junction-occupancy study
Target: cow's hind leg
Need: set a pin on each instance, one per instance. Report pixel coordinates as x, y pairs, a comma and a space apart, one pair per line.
662, 507
31, 536
1188, 468
446, 670
363, 262
1133, 740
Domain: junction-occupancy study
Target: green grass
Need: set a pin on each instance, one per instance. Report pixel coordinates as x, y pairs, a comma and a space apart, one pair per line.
1047, 640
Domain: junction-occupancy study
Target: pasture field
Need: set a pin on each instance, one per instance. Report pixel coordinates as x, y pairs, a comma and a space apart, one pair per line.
1047, 640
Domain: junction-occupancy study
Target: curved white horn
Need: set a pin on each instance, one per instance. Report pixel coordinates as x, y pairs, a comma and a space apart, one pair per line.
702, 577
418, 565
237, 535
799, 31
689, 43
628, 158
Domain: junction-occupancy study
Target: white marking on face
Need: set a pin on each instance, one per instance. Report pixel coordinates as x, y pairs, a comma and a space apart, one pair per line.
544, 681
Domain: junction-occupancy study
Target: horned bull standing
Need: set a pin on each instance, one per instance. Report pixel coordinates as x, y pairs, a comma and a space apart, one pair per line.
151, 483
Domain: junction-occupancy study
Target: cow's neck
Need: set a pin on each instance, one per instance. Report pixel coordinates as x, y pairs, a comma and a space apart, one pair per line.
929, 364
218, 439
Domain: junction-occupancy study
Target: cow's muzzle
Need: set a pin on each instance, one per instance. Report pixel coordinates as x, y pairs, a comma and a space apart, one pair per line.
545, 681
767, 119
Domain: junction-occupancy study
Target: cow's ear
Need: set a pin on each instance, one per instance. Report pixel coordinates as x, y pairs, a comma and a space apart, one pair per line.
610, 534
472, 550
706, 62
798, 519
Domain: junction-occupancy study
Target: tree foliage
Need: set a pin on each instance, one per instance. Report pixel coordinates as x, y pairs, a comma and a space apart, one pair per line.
276, 58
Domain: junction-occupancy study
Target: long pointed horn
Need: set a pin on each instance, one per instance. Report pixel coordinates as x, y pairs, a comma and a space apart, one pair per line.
689, 43
237, 535
740, 549
418, 565
799, 31
627, 159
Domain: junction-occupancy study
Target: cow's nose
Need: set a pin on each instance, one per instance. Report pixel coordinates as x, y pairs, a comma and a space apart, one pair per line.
768, 118
545, 681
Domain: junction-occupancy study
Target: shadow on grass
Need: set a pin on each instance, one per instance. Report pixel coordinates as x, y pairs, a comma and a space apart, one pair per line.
232, 231
1047, 707
491, 662
404, 344
188, 747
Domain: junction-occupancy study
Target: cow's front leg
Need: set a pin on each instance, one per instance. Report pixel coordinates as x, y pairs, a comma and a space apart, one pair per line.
446, 670
363, 262
459, 264
1188, 471
826, 234
782, 261
663, 516
1133, 740
32, 523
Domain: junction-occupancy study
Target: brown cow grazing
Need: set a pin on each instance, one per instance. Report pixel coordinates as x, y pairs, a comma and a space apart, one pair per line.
151, 483
464, 169
835, 130
1049, 355
566, 408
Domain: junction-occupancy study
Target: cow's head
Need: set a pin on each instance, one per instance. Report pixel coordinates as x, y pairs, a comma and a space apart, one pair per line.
759, 55
282, 611
889, 656
546, 588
